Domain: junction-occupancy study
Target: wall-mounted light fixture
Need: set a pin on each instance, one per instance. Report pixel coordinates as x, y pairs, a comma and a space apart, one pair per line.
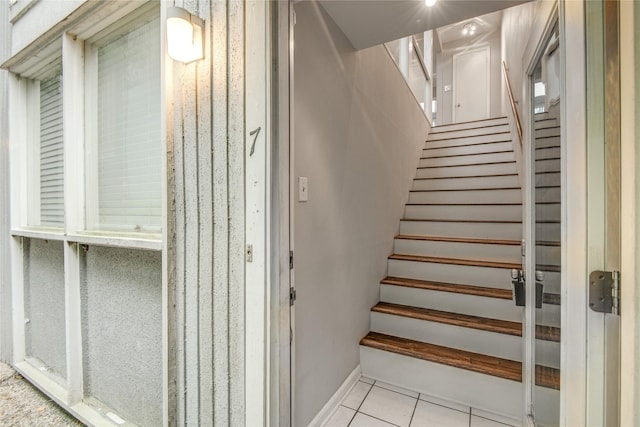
430, 2
185, 34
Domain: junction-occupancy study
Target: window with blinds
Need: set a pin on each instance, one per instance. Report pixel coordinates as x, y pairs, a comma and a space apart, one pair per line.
128, 131
51, 152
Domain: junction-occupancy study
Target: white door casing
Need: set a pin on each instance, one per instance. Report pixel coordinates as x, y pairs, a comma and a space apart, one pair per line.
471, 85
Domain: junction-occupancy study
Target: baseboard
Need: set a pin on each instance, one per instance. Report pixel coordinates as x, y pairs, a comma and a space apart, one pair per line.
330, 407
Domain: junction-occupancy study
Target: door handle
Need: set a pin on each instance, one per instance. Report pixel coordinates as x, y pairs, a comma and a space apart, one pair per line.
518, 284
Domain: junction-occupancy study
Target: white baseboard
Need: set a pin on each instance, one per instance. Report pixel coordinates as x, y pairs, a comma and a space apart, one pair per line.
330, 407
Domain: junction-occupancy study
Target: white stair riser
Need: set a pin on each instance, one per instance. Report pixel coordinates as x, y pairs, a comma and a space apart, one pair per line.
548, 153
505, 181
446, 382
551, 282
450, 273
541, 116
484, 392
468, 149
468, 132
473, 159
548, 123
548, 211
462, 229
548, 353
547, 142
461, 338
471, 196
480, 139
501, 309
468, 339
549, 315
479, 251
468, 125
470, 212
546, 179
547, 165
548, 231
470, 170
547, 195
543, 133
548, 255
495, 308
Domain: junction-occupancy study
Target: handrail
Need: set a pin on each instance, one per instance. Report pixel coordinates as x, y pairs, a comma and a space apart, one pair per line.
513, 102
418, 53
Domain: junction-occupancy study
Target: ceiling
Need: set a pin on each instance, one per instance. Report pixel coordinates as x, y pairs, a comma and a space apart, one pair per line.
368, 23
485, 24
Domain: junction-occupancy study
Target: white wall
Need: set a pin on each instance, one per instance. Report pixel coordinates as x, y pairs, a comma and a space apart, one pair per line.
444, 67
357, 137
516, 27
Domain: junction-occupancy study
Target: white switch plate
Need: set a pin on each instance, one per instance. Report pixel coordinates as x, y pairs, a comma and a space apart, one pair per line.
447, 88
303, 189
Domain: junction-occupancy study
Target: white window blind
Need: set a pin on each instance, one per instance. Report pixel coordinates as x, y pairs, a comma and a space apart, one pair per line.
51, 152
128, 131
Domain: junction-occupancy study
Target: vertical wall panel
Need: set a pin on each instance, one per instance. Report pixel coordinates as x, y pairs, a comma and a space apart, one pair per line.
5, 267
219, 79
208, 162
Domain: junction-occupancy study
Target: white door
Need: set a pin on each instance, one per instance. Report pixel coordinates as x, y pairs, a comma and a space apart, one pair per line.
471, 85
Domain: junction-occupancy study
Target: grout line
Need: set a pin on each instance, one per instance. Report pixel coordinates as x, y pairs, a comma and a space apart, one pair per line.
352, 417
415, 407
396, 391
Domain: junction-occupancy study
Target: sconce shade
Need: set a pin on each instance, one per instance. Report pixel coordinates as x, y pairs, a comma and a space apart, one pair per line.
184, 35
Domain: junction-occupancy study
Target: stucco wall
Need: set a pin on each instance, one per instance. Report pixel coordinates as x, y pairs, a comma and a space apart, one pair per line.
44, 303
358, 132
122, 331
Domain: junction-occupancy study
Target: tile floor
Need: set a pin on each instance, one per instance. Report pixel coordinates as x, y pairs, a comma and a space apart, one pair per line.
374, 403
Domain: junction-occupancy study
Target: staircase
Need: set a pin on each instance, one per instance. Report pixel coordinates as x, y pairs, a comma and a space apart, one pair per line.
446, 324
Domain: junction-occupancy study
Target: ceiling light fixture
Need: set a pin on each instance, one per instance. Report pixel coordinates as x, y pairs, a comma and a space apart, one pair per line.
469, 29
430, 2
184, 35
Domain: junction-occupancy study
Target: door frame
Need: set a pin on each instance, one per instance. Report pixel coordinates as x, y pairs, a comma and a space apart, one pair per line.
529, 324
629, 308
487, 51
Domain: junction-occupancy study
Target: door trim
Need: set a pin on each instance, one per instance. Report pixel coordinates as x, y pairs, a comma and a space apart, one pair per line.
629, 393
487, 50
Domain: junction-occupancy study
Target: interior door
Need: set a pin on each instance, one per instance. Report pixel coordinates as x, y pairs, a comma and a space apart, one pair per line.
471, 89
543, 302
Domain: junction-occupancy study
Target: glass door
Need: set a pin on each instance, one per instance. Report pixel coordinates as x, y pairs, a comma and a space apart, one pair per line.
543, 297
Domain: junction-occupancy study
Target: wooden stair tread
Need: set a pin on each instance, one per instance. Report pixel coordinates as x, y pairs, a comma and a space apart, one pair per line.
489, 365
449, 287
456, 261
464, 189
465, 145
465, 204
465, 154
473, 221
507, 135
455, 319
470, 165
468, 176
459, 240
440, 128
546, 333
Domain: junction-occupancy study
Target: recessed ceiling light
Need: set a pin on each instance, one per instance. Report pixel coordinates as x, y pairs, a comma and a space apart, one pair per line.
430, 2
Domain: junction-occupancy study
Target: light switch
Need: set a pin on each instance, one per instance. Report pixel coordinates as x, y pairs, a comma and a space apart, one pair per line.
447, 88
303, 189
